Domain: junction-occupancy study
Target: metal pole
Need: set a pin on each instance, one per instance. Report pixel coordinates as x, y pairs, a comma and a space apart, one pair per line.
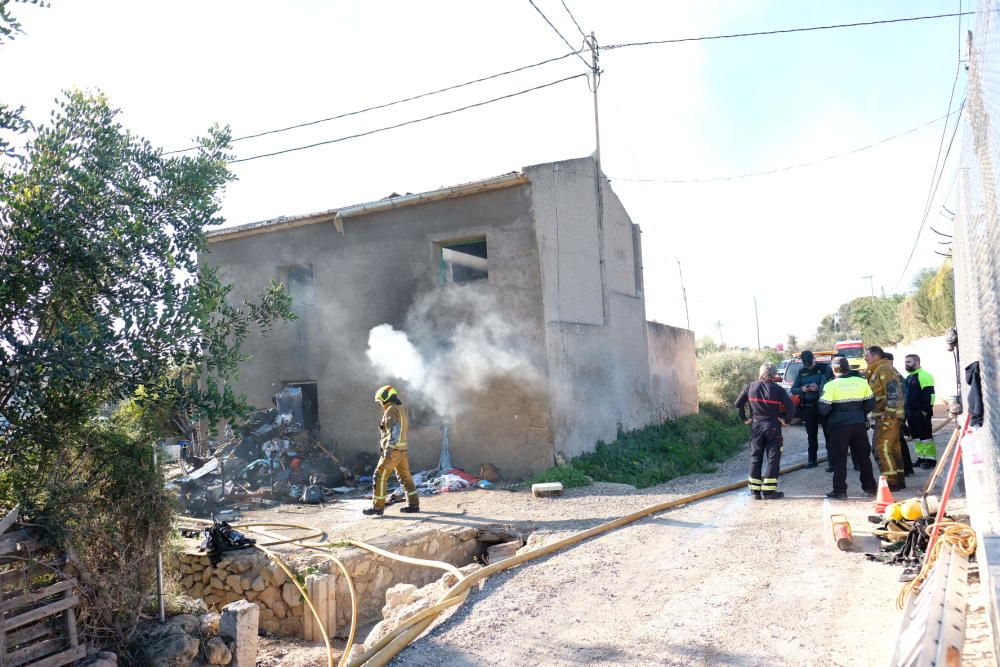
595, 73
684, 294
159, 565
756, 318
871, 284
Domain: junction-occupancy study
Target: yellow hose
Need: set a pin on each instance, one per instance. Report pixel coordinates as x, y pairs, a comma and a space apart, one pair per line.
302, 589
389, 646
392, 644
959, 535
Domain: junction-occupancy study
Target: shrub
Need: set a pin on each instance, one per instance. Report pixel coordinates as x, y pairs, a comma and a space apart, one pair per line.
659, 452
722, 375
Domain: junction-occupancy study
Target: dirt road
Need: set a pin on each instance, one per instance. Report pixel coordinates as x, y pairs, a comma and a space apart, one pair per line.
727, 581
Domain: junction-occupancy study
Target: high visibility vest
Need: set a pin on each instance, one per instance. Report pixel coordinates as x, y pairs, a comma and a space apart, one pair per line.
846, 390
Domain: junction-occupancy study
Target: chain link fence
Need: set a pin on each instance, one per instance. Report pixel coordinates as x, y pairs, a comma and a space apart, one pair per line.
976, 253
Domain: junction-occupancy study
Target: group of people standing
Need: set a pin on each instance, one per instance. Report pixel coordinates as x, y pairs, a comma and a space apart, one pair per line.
844, 405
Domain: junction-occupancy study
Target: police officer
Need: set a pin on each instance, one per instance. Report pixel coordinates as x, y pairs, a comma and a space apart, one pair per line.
765, 396
845, 402
808, 386
393, 429
920, 410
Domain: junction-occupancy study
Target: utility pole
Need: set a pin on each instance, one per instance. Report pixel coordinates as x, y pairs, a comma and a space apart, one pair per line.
718, 325
684, 294
756, 317
595, 80
871, 284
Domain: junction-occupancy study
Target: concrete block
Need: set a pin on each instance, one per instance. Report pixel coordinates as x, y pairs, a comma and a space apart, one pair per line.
547, 489
238, 626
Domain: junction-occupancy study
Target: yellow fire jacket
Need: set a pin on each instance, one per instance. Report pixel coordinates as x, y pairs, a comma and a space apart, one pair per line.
888, 389
393, 428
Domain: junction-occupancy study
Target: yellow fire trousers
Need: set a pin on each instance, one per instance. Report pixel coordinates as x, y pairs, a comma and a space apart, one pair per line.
393, 461
890, 456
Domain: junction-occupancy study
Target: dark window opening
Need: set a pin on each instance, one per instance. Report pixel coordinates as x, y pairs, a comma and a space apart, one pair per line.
310, 403
299, 284
464, 262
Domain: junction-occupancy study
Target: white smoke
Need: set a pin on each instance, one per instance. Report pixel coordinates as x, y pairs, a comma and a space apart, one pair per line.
455, 344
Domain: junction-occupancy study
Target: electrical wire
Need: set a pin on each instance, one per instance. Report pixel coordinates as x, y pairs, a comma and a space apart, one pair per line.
563, 38
944, 130
779, 170
389, 104
784, 31
575, 22
409, 122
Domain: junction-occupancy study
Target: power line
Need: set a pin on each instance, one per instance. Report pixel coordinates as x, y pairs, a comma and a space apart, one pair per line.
789, 167
784, 31
937, 173
934, 190
409, 122
551, 25
575, 22
389, 104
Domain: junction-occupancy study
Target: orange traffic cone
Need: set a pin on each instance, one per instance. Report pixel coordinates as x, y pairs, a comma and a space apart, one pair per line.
884, 496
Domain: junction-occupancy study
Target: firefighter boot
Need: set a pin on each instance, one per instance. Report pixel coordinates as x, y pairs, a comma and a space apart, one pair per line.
410, 509
373, 511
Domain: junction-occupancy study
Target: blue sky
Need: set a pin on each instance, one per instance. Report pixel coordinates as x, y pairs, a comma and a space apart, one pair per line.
678, 111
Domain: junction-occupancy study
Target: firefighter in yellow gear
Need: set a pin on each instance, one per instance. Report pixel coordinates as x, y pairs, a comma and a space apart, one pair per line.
393, 429
888, 414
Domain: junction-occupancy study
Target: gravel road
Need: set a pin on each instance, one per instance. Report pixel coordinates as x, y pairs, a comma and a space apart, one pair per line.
726, 581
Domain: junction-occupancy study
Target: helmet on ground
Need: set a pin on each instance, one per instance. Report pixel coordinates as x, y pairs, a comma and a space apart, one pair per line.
384, 393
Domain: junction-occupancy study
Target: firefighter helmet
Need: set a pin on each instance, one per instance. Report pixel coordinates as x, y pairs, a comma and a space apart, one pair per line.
383, 394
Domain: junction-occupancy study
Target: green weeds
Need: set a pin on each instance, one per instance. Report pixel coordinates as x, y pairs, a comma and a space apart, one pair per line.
658, 453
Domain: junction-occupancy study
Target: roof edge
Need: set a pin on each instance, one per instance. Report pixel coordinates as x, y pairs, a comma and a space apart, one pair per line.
337, 215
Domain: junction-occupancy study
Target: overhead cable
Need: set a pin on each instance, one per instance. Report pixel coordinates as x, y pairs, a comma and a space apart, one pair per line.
939, 164
784, 31
933, 193
409, 122
575, 22
789, 167
390, 104
551, 25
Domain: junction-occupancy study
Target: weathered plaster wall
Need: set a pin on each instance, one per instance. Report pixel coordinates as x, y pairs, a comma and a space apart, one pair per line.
598, 352
673, 370
373, 274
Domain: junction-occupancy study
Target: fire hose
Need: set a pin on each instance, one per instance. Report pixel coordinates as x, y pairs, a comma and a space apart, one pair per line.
389, 646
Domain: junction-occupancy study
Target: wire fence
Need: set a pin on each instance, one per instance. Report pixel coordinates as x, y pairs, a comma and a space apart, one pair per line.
975, 253
977, 232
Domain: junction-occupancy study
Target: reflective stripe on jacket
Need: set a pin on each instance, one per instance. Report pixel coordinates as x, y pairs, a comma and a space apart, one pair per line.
393, 428
846, 400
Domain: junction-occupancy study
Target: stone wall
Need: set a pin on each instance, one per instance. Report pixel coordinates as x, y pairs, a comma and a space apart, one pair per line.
250, 575
374, 575
246, 574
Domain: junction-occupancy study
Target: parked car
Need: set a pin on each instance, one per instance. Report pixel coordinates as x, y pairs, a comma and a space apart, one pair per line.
788, 371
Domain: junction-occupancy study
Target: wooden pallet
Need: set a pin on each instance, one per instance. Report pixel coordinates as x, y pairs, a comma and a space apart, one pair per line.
37, 600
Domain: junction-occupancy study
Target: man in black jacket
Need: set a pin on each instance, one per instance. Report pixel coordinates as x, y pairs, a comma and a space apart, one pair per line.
765, 397
846, 402
808, 386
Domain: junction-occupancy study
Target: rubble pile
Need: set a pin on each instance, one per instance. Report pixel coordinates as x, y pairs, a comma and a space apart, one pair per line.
272, 459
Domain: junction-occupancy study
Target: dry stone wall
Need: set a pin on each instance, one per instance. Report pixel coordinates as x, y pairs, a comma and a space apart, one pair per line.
249, 575
374, 575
